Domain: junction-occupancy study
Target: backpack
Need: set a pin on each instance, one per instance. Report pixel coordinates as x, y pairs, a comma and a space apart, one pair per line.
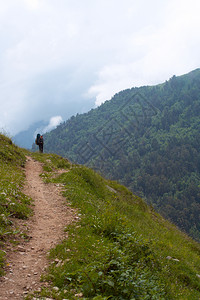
37, 139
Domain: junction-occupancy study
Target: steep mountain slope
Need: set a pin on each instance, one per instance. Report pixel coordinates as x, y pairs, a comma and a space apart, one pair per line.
118, 247
147, 138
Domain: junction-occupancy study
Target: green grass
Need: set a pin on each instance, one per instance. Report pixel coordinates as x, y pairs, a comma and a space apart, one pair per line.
119, 247
13, 203
51, 162
116, 249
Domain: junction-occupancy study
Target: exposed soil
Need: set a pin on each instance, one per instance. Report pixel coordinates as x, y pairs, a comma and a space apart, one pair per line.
46, 228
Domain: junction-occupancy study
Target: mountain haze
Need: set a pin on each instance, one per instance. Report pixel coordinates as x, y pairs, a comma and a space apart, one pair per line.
26, 138
147, 138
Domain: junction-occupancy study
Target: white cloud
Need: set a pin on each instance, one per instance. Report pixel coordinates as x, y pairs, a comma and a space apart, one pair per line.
159, 52
53, 123
32, 4
56, 55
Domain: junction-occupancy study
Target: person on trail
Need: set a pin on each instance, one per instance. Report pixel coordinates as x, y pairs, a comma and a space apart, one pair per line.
40, 142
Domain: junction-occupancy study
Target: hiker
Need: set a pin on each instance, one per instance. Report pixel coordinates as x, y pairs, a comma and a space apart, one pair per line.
40, 142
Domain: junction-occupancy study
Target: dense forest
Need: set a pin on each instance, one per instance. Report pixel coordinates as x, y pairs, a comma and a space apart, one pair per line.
147, 138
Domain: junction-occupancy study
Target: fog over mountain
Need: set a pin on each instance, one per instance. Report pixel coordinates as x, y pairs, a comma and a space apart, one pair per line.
60, 58
27, 137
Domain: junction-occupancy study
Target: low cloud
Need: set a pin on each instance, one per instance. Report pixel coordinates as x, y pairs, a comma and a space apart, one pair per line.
64, 57
53, 123
158, 52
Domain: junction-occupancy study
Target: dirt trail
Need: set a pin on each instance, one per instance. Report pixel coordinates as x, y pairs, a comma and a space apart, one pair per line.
51, 215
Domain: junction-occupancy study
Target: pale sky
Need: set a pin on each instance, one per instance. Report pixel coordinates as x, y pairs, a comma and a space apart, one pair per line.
62, 57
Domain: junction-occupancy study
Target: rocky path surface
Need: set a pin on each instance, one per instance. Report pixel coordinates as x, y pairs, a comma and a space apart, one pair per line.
26, 264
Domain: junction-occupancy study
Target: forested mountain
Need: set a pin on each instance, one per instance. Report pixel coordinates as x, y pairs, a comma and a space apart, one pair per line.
147, 138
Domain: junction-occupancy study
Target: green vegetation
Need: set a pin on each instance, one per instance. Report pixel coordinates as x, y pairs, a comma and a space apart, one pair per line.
118, 248
13, 203
148, 139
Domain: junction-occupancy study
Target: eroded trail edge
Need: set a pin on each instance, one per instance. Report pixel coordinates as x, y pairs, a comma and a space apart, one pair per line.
46, 229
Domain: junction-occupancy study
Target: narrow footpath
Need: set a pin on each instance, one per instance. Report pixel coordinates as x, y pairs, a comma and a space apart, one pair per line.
46, 228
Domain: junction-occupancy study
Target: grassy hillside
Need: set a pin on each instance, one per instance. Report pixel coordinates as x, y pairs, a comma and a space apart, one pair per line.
148, 139
13, 203
119, 248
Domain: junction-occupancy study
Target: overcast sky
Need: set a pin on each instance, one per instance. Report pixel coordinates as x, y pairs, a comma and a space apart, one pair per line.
62, 57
